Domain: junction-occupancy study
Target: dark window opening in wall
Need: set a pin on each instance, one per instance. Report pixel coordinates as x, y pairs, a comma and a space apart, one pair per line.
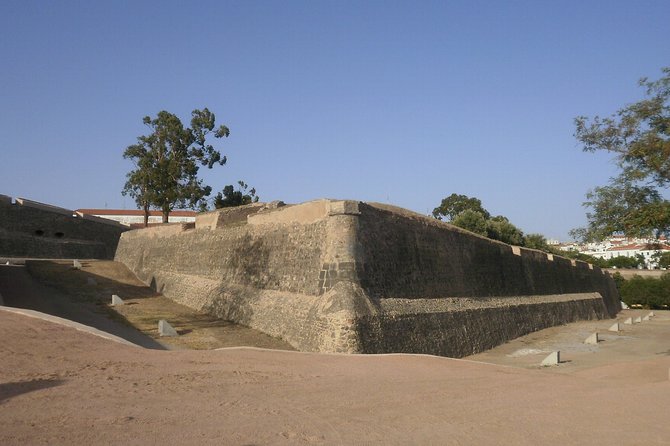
39, 233
59, 235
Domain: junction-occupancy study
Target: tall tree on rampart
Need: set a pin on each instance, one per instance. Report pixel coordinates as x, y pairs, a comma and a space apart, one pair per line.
455, 204
168, 159
639, 137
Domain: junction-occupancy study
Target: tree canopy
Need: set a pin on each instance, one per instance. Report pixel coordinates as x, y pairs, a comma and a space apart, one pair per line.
455, 204
468, 213
639, 137
168, 159
230, 197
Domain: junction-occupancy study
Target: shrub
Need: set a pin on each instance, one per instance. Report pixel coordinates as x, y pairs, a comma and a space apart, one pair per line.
646, 291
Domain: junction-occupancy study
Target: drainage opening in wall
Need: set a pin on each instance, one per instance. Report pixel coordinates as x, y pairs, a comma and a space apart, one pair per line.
39, 233
59, 235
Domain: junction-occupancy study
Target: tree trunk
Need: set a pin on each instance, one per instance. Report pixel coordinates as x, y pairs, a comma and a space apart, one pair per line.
166, 214
146, 214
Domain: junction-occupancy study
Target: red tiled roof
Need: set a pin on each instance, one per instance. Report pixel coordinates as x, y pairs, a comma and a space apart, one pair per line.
648, 247
135, 212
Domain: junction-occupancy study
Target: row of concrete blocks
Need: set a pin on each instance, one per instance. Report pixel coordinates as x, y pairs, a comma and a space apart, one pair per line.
554, 358
164, 327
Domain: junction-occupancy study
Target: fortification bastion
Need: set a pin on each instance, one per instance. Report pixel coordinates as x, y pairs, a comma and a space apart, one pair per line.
348, 276
32, 229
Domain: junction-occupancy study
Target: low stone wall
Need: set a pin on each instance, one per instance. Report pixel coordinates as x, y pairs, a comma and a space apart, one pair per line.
343, 276
31, 229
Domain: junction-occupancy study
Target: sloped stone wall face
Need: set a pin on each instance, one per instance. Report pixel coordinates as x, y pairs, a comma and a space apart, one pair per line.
282, 258
343, 276
407, 256
27, 231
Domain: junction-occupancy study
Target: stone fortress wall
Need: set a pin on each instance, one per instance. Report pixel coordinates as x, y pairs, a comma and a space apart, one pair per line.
37, 230
347, 276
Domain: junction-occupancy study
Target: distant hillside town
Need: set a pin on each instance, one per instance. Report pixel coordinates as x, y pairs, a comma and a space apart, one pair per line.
649, 250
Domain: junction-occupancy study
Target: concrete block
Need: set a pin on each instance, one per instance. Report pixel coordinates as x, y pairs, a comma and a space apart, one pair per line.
628, 321
646, 318
165, 329
615, 327
76, 264
593, 339
651, 314
637, 320
91, 281
554, 358
116, 300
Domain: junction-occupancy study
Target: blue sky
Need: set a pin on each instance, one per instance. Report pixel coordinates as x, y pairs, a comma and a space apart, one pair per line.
399, 102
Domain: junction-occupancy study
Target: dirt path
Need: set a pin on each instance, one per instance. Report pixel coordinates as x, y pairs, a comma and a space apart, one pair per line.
84, 295
19, 289
643, 341
60, 386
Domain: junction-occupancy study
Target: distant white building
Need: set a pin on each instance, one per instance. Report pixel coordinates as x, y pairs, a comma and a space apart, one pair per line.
624, 247
135, 217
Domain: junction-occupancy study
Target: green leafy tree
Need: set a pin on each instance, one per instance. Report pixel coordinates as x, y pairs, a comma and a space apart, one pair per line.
625, 262
500, 228
536, 241
455, 204
168, 159
646, 291
230, 197
662, 259
471, 220
639, 137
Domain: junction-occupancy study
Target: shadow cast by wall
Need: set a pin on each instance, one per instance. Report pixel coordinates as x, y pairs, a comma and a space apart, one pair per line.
12, 389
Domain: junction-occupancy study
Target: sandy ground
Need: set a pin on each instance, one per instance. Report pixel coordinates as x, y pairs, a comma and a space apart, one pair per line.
63, 386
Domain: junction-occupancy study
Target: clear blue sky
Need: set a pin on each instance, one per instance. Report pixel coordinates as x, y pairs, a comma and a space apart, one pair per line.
400, 102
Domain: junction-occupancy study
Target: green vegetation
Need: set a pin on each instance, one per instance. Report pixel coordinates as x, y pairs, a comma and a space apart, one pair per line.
168, 159
230, 197
639, 136
468, 213
646, 291
625, 262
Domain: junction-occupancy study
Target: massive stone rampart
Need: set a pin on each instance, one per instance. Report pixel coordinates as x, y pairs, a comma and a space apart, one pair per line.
345, 276
32, 229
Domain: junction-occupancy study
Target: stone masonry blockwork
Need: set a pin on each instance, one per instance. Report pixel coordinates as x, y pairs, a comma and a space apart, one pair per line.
346, 276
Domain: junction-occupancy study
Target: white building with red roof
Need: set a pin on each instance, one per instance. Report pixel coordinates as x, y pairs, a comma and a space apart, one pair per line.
135, 217
625, 247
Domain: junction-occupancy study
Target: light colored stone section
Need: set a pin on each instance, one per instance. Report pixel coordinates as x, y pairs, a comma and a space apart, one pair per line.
554, 358
76, 264
165, 329
44, 207
344, 207
651, 314
628, 321
615, 327
304, 214
219, 218
638, 320
116, 300
646, 318
593, 339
